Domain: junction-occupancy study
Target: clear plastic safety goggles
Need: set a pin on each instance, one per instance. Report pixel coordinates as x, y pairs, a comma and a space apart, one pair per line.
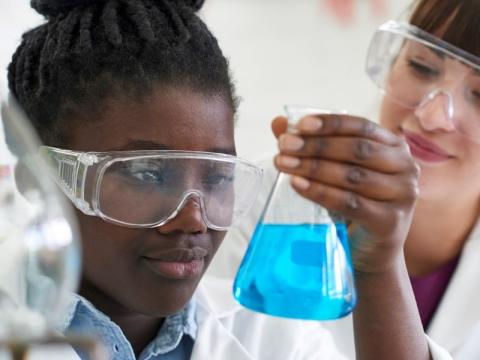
418, 70
146, 189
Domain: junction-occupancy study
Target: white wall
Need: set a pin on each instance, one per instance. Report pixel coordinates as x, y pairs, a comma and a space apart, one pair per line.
294, 52
281, 52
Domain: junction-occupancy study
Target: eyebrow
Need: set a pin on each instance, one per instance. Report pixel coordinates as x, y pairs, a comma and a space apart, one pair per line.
134, 144
437, 52
442, 56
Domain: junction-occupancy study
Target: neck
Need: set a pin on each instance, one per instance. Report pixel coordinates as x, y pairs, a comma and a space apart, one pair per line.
438, 233
139, 329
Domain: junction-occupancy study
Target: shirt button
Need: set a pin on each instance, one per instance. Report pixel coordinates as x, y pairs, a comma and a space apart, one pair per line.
115, 347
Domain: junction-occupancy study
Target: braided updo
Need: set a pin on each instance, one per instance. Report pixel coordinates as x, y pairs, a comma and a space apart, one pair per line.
89, 50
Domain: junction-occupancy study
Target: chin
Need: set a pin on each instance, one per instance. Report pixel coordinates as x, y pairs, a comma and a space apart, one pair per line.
163, 306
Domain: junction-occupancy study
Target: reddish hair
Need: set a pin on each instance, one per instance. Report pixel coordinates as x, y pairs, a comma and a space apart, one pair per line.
456, 20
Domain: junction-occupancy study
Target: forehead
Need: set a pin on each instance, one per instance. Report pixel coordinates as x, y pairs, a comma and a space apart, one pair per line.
167, 118
455, 22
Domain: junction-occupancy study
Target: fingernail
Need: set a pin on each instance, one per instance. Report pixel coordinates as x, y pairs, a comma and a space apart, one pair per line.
300, 182
310, 123
288, 161
291, 142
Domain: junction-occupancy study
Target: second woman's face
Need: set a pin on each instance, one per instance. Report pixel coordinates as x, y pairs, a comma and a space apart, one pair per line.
123, 268
449, 161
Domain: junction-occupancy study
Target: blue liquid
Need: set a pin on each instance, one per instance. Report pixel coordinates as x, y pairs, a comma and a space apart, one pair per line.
297, 271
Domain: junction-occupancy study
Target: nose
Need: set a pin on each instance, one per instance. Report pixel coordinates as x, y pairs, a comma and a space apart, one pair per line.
436, 111
187, 220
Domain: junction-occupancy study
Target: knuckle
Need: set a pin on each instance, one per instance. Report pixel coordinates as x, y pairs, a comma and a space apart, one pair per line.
412, 169
352, 203
363, 149
395, 217
355, 175
405, 147
337, 123
312, 167
416, 170
318, 194
400, 218
319, 145
368, 128
412, 189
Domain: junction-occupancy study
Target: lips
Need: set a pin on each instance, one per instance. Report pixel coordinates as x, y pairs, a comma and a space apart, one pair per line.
177, 263
178, 254
425, 150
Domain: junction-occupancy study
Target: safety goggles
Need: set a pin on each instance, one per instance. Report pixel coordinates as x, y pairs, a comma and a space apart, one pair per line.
146, 189
418, 70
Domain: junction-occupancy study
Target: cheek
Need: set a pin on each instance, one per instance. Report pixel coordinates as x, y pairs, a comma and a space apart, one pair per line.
471, 159
392, 115
462, 173
105, 248
111, 266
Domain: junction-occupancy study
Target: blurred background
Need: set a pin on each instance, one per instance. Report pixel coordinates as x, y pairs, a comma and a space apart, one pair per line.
302, 52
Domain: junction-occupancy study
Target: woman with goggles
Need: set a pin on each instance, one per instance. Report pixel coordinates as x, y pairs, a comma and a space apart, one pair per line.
134, 102
429, 73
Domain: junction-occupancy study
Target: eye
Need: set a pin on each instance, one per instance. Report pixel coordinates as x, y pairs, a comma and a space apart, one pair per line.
218, 180
422, 70
474, 96
149, 176
143, 173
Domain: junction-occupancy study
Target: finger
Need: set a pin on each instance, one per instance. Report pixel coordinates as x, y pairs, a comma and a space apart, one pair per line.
279, 126
345, 125
354, 150
364, 182
369, 213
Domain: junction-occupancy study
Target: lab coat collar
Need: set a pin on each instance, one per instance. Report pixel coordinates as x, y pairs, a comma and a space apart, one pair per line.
215, 296
450, 326
215, 303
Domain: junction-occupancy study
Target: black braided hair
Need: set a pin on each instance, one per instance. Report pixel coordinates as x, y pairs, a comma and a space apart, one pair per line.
89, 50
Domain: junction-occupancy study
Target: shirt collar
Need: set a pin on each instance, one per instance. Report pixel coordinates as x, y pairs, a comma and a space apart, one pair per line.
168, 338
172, 330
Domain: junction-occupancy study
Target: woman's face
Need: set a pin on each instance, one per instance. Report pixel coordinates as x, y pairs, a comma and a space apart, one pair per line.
123, 268
449, 161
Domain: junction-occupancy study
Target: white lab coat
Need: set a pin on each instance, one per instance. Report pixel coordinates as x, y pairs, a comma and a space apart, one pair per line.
226, 331
445, 329
458, 314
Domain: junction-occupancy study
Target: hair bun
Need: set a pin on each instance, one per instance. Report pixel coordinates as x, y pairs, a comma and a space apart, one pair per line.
51, 8
194, 4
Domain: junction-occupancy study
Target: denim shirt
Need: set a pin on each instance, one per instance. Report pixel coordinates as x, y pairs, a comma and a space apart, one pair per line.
174, 340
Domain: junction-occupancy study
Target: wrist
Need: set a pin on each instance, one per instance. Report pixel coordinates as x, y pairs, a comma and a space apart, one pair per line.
395, 269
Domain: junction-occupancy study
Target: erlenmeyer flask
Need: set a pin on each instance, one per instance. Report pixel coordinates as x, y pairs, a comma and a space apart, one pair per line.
298, 262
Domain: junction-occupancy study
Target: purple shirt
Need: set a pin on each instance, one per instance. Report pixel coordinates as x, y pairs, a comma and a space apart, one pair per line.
429, 290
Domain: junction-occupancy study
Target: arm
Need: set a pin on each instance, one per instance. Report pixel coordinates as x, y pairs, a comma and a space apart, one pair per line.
386, 320
354, 167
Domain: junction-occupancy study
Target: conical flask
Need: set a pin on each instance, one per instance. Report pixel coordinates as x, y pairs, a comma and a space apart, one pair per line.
298, 263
